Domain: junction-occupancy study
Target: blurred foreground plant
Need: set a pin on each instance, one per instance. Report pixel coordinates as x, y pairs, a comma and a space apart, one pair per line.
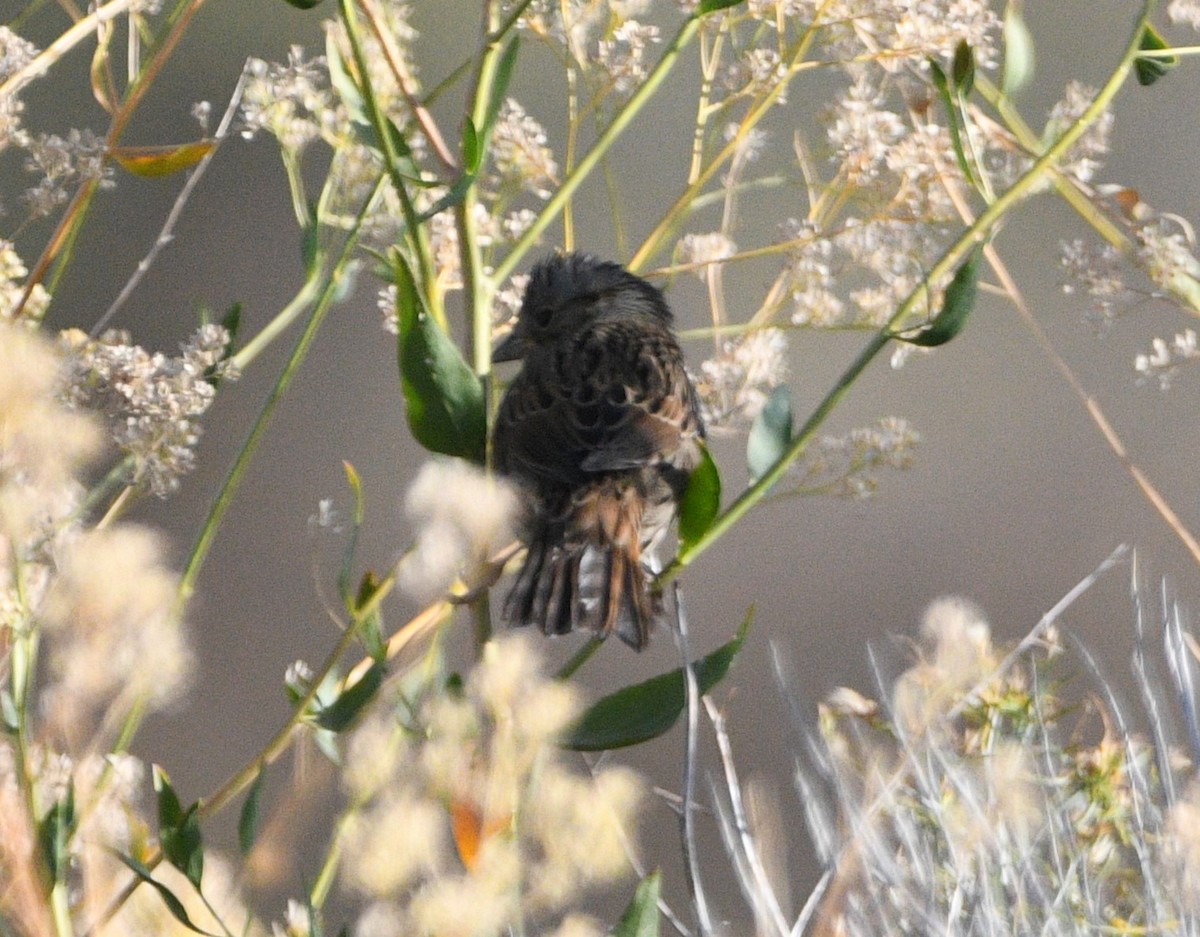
984, 793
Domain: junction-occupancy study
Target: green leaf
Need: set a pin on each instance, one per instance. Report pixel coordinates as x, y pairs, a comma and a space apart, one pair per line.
472, 148
248, 818
1019, 57
952, 100
938, 74
641, 917
770, 434
341, 712
174, 905
712, 6
54, 833
345, 86
1150, 70
963, 69
178, 830
444, 396
347, 570
455, 194
504, 70
646, 710
232, 323
701, 500
371, 627
956, 305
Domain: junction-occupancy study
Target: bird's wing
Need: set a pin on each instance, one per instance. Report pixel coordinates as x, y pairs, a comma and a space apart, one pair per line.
616, 399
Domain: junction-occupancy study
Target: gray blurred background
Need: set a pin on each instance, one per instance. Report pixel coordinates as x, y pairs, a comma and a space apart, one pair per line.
1014, 496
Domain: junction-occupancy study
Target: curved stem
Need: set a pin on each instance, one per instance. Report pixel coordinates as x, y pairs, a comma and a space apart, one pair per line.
325, 296
976, 232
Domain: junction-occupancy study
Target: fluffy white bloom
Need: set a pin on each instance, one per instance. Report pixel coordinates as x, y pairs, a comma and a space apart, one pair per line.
462, 517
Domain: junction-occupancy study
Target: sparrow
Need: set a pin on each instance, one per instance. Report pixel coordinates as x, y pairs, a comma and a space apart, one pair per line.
600, 430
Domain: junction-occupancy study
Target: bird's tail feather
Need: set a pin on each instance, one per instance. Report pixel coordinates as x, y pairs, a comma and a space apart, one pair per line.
598, 587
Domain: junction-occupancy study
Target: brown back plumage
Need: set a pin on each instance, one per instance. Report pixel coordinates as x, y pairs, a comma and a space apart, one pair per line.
601, 428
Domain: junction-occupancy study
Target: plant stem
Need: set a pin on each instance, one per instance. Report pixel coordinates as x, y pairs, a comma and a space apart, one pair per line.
603, 144
324, 301
1024, 186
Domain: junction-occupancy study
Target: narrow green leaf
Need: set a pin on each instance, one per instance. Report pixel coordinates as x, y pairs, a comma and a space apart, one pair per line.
345, 86
1019, 57
956, 305
178, 830
55, 831
1150, 70
455, 194
344, 580
232, 323
641, 917
341, 712
371, 627
443, 395
938, 74
646, 710
248, 818
174, 905
963, 69
504, 71
770, 434
472, 148
951, 99
712, 6
701, 500
170, 810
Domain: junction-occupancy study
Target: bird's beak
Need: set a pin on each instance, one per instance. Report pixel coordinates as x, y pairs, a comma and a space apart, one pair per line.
511, 349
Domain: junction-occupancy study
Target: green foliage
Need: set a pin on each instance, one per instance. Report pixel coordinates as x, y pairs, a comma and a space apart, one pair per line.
178, 830
173, 904
646, 710
443, 395
701, 500
957, 304
55, 832
712, 6
338, 715
248, 818
1149, 70
641, 916
1019, 52
771, 433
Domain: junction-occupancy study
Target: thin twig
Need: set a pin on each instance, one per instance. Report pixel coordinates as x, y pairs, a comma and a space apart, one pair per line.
167, 235
687, 827
1035, 635
763, 897
404, 81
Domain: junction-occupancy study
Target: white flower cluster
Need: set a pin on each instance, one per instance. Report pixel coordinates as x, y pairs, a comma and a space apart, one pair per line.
1163, 361
734, 384
153, 402
469, 822
848, 466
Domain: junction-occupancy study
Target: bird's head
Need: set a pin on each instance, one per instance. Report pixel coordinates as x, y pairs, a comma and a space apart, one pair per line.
569, 292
